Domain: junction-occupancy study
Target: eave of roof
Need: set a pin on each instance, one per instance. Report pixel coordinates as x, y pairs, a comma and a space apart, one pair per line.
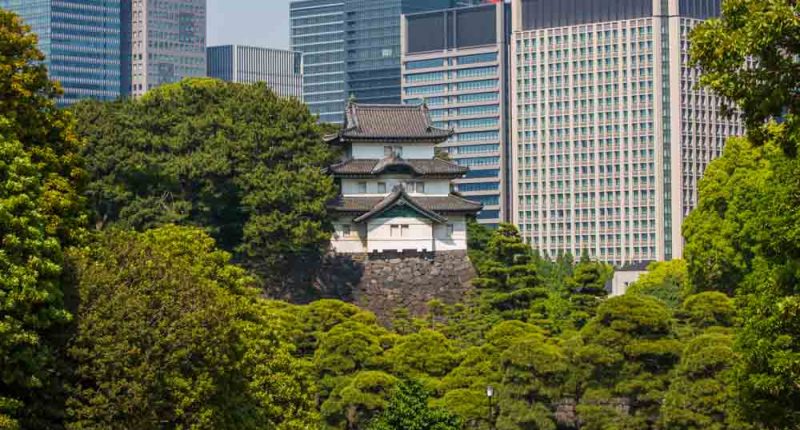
399, 197
451, 204
388, 123
432, 168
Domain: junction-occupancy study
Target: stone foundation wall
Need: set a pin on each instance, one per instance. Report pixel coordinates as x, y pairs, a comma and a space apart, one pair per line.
385, 282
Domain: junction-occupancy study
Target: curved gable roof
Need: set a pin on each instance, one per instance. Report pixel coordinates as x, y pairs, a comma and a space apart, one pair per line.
390, 123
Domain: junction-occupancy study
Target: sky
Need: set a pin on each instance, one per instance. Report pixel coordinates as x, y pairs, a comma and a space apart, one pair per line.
249, 22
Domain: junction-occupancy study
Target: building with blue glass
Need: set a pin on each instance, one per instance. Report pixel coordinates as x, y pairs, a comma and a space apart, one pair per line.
317, 30
352, 48
81, 43
455, 61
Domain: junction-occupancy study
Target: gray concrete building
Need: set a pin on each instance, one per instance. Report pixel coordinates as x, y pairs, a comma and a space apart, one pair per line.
164, 41
455, 60
278, 68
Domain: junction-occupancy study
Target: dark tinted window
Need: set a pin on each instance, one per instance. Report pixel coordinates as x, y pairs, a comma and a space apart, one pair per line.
476, 26
557, 13
701, 9
426, 32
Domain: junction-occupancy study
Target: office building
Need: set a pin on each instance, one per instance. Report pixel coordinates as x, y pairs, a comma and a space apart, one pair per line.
81, 43
351, 48
317, 30
278, 68
455, 61
164, 41
610, 130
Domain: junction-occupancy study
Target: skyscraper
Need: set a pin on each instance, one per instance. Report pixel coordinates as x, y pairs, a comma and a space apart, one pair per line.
81, 43
280, 69
317, 30
352, 48
610, 130
164, 41
455, 60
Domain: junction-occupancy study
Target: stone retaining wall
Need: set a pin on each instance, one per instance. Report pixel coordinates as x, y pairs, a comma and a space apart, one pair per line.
385, 282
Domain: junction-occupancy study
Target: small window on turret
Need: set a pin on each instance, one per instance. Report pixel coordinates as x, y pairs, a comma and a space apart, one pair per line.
381, 187
389, 151
415, 187
362, 188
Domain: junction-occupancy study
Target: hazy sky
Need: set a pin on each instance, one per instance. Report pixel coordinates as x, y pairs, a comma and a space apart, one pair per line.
249, 22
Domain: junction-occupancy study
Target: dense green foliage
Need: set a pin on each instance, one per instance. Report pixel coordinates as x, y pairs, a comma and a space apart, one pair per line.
744, 239
667, 281
750, 57
235, 160
169, 331
40, 215
408, 409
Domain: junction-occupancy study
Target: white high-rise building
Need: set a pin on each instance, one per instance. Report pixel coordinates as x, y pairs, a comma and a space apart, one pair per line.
610, 131
164, 41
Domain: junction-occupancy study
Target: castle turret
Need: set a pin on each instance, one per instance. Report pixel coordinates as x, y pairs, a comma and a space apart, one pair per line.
395, 194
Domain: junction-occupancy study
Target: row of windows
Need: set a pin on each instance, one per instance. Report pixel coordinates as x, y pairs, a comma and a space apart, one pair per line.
473, 149
477, 187
478, 161
440, 62
468, 123
459, 74
460, 86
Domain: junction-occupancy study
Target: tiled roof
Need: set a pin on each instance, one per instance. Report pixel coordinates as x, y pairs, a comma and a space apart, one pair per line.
390, 122
437, 204
430, 167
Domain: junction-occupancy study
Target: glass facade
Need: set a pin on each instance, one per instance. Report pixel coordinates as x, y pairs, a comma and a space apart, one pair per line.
81, 42
352, 48
167, 41
463, 81
317, 30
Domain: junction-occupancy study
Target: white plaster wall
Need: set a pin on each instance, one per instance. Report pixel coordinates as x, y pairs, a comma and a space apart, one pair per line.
374, 150
419, 235
456, 242
622, 280
433, 187
355, 243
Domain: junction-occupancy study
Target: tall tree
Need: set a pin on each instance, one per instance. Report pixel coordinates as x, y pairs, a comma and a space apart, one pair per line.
236, 160
168, 336
630, 348
664, 280
42, 213
743, 239
749, 55
586, 289
408, 409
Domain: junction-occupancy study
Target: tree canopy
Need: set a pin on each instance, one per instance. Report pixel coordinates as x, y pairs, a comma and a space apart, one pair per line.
749, 55
235, 160
41, 214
